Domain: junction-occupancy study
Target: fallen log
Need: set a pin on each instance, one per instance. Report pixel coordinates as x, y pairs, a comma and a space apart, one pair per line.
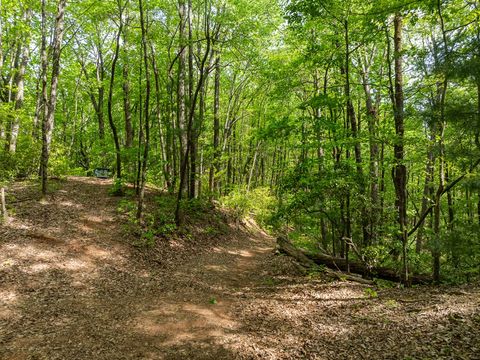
286, 247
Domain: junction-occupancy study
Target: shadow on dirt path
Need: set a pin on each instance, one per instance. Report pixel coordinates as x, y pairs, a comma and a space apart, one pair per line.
70, 287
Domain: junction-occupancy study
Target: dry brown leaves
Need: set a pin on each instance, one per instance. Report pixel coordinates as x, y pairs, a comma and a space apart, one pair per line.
72, 286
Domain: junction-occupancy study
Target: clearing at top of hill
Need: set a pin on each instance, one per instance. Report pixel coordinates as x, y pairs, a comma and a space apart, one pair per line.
73, 286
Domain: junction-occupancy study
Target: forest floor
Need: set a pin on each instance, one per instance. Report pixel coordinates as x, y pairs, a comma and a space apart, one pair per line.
73, 286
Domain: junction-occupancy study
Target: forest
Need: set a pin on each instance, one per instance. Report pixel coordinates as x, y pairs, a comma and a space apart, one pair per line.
343, 133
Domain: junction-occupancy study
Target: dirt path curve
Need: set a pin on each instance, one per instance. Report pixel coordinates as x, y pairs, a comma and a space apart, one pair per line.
71, 288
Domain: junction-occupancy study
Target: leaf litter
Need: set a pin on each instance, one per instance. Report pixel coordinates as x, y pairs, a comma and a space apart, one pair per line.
74, 286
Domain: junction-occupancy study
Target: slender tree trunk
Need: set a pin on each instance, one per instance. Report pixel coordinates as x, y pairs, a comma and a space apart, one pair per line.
477, 133
101, 95
1, 42
181, 110
20, 85
372, 118
274, 166
440, 133
450, 202
352, 118
146, 114
436, 252
38, 105
111, 121
215, 166
97, 98
48, 122
171, 152
141, 133
161, 133
126, 96
254, 164
3, 206
427, 194
192, 168
190, 122
342, 228
400, 170
348, 232
320, 147
42, 103
197, 179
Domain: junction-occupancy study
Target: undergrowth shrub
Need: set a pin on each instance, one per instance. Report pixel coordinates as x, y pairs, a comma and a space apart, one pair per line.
461, 262
258, 203
118, 188
21, 164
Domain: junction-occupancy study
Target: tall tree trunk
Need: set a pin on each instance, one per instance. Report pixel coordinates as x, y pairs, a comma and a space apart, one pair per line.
477, 138
382, 182
450, 202
126, 96
42, 101
352, 118
320, 145
400, 170
110, 93
372, 118
427, 194
171, 145
1, 43
197, 179
97, 96
436, 252
440, 133
14, 125
19, 80
192, 168
100, 72
254, 164
190, 122
215, 166
181, 110
477, 132
161, 133
318, 115
146, 114
48, 122
3, 206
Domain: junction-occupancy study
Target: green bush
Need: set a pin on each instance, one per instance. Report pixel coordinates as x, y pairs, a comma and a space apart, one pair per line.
118, 188
21, 164
258, 203
164, 223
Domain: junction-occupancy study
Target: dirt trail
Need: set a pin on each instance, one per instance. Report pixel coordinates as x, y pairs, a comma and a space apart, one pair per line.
70, 288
